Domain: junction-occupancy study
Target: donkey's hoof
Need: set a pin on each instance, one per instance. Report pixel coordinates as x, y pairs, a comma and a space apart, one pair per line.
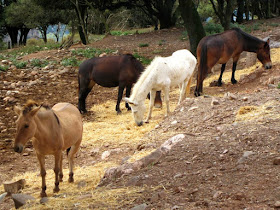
128, 108
119, 112
43, 194
233, 81
56, 189
71, 179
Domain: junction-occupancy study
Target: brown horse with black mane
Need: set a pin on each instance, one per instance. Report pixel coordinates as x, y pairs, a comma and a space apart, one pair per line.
219, 48
110, 71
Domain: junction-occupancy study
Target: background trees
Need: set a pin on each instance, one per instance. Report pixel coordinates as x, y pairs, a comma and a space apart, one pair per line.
17, 17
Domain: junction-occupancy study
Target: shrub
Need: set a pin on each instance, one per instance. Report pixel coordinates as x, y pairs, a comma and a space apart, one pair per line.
213, 28
143, 45
20, 64
3, 68
72, 61
142, 59
38, 62
90, 52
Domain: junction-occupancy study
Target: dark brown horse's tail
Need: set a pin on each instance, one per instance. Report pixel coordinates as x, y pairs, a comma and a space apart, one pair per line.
202, 69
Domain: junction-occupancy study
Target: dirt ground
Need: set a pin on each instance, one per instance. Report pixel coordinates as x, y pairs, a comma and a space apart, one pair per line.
223, 162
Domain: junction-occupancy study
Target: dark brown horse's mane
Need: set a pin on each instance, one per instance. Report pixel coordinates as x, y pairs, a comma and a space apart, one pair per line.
247, 36
28, 106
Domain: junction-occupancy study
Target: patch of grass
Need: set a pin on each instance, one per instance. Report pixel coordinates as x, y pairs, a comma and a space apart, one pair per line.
143, 45
90, 52
131, 32
157, 51
213, 28
120, 33
278, 86
39, 62
274, 24
72, 61
3, 68
161, 42
142, 59
20, 64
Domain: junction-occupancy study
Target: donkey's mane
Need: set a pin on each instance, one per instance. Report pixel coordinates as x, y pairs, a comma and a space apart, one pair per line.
142, 78
30, 104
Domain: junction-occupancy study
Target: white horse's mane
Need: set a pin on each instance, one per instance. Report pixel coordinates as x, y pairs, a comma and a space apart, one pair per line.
143, 77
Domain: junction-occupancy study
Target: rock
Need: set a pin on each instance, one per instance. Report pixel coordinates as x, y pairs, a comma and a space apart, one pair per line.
277, 204
217, 194
105, 155
44, 200
175, 207
230, 96
174, 122
33, 73
82, 197
9, 99
102, 54
65, 70
21, 199
2, 196
214, 102
276, 161
14, 187
271, 86
213, 83
142, 206
82, 184
94, 151
247, 154
245, 98
193, 108
5, 62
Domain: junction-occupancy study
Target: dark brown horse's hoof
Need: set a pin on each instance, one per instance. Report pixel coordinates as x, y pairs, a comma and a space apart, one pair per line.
56, 189
43, 194
233, 81
119, 112
71, 180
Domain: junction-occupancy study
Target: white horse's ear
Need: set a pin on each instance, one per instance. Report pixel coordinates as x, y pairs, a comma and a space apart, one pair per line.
17, 110
129, 101
34, 110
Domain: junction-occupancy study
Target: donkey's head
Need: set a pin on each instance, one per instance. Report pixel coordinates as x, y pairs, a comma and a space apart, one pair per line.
263, 54
25, 124
138, 110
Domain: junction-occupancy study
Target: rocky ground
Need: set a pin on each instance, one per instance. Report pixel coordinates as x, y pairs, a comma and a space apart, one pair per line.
227, 159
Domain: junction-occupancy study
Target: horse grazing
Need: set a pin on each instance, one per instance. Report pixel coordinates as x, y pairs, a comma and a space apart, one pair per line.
109, 71
219, 48
162, 74
54, 130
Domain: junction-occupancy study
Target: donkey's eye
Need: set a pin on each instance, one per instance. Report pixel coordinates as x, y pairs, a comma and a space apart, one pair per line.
26, 126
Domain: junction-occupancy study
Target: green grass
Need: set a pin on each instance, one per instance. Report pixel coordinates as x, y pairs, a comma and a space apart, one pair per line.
20, 64
278, 86
4, 68
130, 32
162, 42
38, 62
143, 45
90, 52
142, 59
72, 61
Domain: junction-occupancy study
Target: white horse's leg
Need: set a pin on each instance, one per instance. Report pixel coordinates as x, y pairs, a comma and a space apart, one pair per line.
152, 101
166, 98
182, 91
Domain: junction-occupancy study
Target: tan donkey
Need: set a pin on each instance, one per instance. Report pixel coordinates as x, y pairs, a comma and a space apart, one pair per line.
53, 130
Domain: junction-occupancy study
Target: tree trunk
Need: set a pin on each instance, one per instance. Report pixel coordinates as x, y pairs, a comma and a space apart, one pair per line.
240, 11
43, 31
192, 23
13, 33
23, 36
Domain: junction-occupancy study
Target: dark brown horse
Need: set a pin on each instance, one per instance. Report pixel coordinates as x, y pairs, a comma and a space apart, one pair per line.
110, 71
221, 47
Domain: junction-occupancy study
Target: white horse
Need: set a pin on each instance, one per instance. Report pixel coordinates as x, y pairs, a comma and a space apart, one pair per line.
162, 74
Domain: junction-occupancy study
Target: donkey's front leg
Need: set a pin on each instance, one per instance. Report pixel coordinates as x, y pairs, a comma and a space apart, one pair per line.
57, 158
152, 102
182, 86
43, 173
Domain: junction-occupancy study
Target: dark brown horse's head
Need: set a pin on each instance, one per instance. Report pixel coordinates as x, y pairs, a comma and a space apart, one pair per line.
25, 124
263, 54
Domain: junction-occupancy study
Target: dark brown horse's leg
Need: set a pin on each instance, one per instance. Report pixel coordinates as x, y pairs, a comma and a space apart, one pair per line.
221, 75
233, 80
127, 94
199, 84
158, 101
57, 158
120, 94
43, 173
84, 90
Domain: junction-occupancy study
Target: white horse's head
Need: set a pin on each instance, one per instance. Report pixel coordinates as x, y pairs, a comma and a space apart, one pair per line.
138, 110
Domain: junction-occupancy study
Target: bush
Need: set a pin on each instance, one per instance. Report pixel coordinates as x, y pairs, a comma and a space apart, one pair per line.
213, 28
142, 59
72, 61
20, 64
39, 62
3, 68
143, 45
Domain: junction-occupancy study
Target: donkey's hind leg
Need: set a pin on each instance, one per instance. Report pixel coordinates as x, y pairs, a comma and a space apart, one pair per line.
127, 94
74, 149
57, 158
166, 98
152, 102
60, 169
85, 87
182, 86
120, 95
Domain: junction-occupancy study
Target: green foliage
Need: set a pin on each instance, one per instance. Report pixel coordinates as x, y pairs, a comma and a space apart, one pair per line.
3, 68
278, 86
161, 42
213, 28
90, 52
39, 62
274, 24
143, 45
142, 59
205, 10
72, 61
120, 33
184, 35
20, 64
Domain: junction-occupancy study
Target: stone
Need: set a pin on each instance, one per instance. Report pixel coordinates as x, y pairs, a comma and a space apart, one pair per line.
105, 155
142, 206
21, 199
94, 151
13, 187
82, 184
5, 62
174, 122
2, 196
193, 108
217, 194
214, 102
276, 161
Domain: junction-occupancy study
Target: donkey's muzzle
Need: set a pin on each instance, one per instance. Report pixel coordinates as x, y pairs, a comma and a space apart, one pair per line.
140, 123
18, 148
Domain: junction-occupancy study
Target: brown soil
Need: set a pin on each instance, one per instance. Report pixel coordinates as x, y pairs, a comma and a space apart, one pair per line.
206, 170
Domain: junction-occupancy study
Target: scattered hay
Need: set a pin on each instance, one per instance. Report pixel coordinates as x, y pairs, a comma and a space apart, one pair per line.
258, 113
140, 154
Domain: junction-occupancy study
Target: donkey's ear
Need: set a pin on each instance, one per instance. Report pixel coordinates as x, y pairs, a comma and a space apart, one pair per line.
129, 101
17, 110
34, 110
266, 44
267, 41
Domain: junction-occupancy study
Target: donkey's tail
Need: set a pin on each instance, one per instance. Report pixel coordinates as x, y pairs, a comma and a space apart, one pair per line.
188, 88
202, 69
